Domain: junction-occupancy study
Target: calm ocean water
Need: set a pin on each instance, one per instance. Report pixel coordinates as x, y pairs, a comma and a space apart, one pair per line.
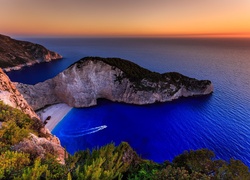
220, 122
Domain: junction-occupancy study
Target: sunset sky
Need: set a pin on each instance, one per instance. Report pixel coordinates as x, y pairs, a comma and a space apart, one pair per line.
124, 17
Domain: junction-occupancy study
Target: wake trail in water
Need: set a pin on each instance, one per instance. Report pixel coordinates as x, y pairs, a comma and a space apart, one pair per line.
82, 132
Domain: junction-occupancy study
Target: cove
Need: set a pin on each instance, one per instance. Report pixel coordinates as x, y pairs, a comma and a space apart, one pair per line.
157, 132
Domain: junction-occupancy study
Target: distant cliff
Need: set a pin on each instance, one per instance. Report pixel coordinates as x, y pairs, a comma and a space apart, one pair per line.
111, 78
15, 54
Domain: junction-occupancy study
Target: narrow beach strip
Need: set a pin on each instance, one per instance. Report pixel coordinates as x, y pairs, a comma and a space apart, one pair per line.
54, 114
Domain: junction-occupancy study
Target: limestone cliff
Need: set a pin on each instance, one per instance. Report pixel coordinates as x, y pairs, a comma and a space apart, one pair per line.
16, 54
12, 97
115, 79
39, 95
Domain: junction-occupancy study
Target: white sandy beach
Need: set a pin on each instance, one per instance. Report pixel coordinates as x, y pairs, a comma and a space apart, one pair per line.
57, 113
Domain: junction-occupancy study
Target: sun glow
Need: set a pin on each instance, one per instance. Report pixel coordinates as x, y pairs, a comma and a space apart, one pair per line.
125, 18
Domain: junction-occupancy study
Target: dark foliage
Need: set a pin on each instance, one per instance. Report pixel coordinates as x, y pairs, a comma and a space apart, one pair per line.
132, 71
136, 74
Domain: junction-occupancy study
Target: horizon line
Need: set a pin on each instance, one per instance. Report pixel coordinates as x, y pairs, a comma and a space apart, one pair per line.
218, 35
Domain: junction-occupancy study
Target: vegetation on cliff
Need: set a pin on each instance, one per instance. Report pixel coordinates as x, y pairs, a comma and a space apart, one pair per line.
16, 125
132, 71
107, 162
14, 52
137, 75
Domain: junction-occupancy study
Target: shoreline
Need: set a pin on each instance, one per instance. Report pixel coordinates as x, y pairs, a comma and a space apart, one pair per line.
55, 113
28, 64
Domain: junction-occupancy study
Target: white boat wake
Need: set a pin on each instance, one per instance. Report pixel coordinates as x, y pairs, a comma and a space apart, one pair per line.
82, 132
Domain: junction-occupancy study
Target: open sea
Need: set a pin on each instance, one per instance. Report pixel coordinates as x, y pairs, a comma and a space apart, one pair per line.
219, 122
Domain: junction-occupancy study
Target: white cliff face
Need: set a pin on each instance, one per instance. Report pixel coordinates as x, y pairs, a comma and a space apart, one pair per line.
81, 87
84, 82
39, 95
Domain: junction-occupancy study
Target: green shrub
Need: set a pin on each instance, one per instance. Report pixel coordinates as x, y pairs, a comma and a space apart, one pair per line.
11, 133
104, 163
12, 164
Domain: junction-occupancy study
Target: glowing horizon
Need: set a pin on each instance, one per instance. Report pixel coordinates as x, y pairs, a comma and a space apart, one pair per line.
159, 18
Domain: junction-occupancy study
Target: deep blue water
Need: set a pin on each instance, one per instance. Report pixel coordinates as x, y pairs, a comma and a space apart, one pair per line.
220, 122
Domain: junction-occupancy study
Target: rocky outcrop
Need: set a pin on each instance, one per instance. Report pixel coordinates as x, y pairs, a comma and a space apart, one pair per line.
12, 97
40, 147
115, 79
16, 54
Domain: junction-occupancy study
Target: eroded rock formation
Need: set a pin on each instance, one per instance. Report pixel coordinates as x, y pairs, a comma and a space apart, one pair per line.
115, 79
39, 147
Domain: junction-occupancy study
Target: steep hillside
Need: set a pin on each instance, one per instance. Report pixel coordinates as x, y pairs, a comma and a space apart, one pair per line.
21, 125
15, 54
12, 97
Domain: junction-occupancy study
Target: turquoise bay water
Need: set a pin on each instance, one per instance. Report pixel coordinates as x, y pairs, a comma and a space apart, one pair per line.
220, 122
